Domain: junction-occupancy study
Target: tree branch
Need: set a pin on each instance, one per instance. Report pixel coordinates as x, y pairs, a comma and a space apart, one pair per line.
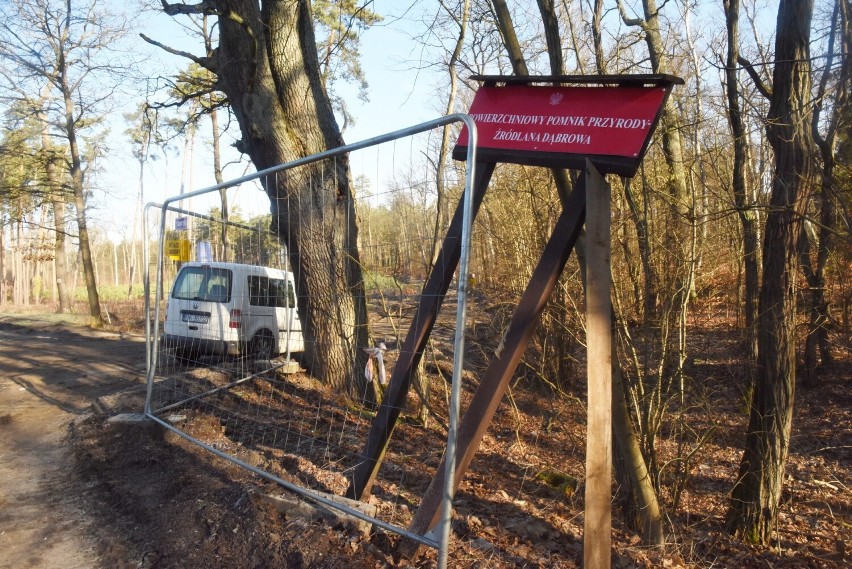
203, 7
627, 20
825, 143
205, 62
758, 82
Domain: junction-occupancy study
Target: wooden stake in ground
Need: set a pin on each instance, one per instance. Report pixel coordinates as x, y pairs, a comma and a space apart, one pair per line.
598, 523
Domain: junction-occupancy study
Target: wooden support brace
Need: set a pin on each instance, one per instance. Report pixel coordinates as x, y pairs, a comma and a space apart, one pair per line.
494, 383
415, 342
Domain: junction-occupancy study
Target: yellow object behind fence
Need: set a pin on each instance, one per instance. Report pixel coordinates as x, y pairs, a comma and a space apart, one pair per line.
177, 249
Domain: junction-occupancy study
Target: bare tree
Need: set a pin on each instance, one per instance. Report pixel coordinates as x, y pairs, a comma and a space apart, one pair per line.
65, 45
140, 132
675, 281
757, 493
53, 180
195, 90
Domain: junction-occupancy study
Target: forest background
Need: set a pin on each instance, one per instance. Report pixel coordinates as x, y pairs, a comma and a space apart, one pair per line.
739, 215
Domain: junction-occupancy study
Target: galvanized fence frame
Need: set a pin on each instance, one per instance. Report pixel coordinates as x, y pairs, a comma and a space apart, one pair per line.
152, 330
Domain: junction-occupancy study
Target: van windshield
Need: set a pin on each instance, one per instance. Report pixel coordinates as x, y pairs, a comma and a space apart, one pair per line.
207, 284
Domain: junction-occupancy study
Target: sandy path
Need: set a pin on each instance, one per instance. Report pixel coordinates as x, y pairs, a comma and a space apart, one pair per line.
50, 376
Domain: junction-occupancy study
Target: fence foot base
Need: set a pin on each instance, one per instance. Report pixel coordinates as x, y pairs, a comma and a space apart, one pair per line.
296, 507
125, 418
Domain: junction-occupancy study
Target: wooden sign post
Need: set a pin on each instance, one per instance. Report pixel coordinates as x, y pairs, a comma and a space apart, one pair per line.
604, 126
598, 125
597, 524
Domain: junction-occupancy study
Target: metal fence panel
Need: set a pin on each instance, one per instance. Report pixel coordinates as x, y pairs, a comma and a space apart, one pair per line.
269, 414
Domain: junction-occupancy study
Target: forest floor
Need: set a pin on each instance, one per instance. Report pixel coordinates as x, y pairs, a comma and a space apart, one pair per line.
77, 490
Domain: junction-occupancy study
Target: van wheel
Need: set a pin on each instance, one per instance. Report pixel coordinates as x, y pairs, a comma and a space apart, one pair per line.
262, 346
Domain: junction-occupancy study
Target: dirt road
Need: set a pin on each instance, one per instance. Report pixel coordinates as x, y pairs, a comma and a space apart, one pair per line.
80, 491
50, 376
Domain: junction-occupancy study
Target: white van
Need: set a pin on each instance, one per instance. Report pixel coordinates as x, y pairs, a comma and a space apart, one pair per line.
232, 309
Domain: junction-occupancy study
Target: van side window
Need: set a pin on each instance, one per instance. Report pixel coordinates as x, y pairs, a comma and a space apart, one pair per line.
283, 293
258, 291
276, 293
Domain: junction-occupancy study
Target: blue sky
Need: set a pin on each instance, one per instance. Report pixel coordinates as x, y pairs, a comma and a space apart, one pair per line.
399, 96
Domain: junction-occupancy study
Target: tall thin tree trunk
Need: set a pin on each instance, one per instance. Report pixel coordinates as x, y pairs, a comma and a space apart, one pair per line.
677, 249
223, 194
640, 222
79, 190
138, 211
18, 272
757, 493
58, 202
60, 256
420, 381
840, 37
743, 203
115, 264
3, 291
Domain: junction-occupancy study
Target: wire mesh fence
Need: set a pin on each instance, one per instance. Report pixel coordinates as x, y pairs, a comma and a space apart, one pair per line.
276, 321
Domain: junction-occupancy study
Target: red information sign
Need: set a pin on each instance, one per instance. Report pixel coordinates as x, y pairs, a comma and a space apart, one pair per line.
562, 125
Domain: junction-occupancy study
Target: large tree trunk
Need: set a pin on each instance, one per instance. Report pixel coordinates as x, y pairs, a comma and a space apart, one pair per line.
757, 493
267, 66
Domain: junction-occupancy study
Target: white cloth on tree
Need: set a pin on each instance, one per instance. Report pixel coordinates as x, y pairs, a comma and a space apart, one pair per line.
376, 354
